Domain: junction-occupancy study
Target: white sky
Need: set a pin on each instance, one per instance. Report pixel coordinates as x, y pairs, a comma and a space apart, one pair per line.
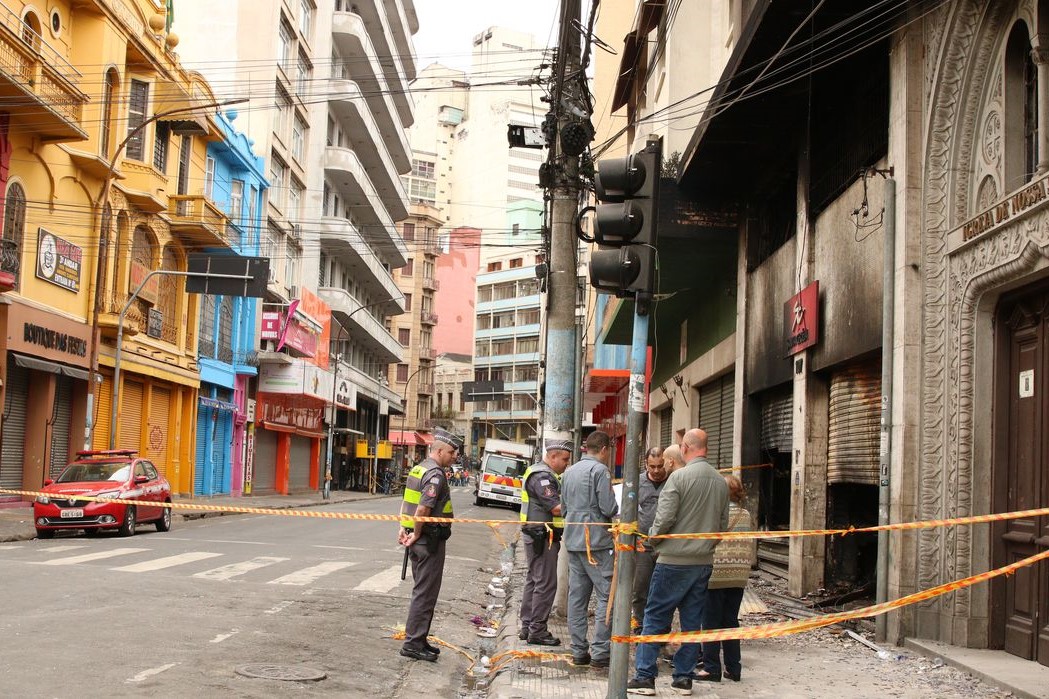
447, 27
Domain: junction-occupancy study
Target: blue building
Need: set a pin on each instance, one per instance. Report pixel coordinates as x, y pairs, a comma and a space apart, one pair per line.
235, 185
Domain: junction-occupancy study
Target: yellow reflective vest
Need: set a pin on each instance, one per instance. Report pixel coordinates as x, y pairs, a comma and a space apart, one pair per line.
540, 515
413, 487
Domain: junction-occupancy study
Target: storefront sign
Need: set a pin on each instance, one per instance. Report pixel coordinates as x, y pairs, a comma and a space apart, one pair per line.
1024, 199
270, 326
53, 340
321, 313
300, 337
801, 319
299, 412
346, 394
38, 333
298, 378
58, 261
249, 458
150, 290
155, 323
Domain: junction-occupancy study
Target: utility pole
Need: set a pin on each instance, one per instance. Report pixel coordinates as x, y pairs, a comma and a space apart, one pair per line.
560, 396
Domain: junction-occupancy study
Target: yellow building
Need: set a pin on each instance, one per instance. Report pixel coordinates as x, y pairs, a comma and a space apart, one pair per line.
84, 83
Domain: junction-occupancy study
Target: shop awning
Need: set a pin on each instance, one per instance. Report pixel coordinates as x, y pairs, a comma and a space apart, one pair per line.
407, 438
425, 437
50, 367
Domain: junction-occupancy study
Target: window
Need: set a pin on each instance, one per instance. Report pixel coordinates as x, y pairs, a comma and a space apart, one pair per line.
295, 195
305, 18
404, 336
253, 212
285, 43
236, 200
494, 266
298, 139
207, 326
108, 93
160, 146
408, 231
291, 266
407, 303
409, 268
14, 230
168, 294
225, 348
278, 172
516, 229
422, 190
516, 263
402, 373
138, 101
303, 75
209, 178
528, 345
1021, 109
31, 30
423, 168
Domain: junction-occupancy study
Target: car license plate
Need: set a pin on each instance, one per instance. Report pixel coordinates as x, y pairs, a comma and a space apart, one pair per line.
72, 514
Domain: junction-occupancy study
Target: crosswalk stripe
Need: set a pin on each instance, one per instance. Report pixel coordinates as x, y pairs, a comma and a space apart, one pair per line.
9, 548
59, 549
381, 582
84, 558
167, 562
308, 575
235, 569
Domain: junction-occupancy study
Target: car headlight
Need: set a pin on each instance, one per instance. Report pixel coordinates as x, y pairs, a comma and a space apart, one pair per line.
109, 494
43, 499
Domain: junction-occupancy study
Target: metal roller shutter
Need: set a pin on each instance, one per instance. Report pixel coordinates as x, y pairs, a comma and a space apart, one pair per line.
264, 472
159, 428
100, 432
220, 447
777, 429
299, 466
203, 426
14, 426
129, 426
854, 435
61, 419
666, 432
715, 417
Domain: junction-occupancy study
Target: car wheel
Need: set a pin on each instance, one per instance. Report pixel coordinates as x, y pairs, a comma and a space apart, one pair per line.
127, 527
45, 533
479, 502
164, 523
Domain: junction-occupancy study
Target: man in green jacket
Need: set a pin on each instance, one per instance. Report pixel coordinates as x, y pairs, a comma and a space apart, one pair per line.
694, 500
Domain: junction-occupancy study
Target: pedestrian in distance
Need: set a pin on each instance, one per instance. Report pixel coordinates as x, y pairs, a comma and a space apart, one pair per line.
694, 500
649, 486
733, 559
587, 496
541, 502
426, 494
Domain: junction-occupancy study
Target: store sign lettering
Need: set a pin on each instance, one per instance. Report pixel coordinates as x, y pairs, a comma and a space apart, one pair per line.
801, 319
54, 340
58, 261
1004, 210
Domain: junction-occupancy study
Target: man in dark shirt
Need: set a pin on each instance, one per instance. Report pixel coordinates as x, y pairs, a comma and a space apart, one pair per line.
541, 502
426, 494
649, 485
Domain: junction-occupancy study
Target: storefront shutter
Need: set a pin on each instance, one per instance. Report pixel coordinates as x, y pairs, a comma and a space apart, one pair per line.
61, 418
103, 409
715, 417
264, 471
299, 466
854, 435
220, 452
129, 426
13, 434
203, 425
159, 428
777, 429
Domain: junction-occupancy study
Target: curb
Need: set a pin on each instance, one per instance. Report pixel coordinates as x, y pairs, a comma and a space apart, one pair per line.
501, 683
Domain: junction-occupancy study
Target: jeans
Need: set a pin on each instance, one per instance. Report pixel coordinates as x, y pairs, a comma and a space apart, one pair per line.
583, 580
683, 588
722, 612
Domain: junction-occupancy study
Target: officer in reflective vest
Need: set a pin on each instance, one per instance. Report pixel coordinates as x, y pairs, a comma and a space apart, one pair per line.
426, 494
541, 502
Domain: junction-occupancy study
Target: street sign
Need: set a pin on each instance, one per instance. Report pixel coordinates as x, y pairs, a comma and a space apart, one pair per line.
481, 391
257, 269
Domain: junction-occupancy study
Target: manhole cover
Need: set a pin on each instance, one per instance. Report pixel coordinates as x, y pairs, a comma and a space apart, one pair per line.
289, 673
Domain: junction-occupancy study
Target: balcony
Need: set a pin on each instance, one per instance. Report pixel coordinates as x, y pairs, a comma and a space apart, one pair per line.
344, 169
10, 264
425, 389
514, 302
345, 100
342, 239
350, 35
428, 354
199, 221
431, 283
396, 74
364, 326
42, 84
428, 318
404, 24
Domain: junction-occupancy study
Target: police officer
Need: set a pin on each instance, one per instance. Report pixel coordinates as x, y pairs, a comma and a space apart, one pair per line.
426, 494
541, 502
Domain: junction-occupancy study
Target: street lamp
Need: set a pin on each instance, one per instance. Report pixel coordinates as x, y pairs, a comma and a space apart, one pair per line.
103, 253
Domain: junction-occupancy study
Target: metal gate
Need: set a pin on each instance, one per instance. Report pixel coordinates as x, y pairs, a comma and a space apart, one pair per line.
220, 452
61, 417
299, 464
159, 428
666, 432
100, 431
854, 435
715, 418
14, 418
129, 425
264, 473
777, 430
201, 465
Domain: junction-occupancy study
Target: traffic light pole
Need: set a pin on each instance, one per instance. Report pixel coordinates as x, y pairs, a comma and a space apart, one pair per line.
561, 340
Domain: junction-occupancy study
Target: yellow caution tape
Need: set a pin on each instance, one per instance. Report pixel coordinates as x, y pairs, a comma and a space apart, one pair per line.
787, 628
399, 636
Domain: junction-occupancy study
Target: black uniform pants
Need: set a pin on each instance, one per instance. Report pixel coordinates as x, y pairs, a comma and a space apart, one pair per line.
428, 573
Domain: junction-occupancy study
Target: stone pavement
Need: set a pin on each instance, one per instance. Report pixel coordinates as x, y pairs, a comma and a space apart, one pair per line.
16, 523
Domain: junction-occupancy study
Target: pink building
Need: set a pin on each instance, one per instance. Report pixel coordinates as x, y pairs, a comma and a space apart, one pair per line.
454, 303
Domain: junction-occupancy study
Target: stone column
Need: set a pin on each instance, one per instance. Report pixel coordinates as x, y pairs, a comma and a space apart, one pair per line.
1040, 56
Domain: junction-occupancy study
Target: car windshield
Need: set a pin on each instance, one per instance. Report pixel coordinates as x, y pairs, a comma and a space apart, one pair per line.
504, 466
81, 473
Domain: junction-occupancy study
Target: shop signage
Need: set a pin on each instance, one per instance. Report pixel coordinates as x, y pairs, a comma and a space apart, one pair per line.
298, 378
801, 319
34, 334
155, 323
138, 273
300, 337
58, 261
319, 311
270, 326
299, 411
249, 458
346, 394
1024, 199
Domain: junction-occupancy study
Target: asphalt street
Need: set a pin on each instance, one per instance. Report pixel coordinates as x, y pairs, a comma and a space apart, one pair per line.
176, 614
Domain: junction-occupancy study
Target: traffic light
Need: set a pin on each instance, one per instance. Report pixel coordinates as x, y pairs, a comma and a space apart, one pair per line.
625, 224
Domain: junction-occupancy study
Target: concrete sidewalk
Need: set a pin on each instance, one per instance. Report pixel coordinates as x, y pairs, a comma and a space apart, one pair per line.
16, 523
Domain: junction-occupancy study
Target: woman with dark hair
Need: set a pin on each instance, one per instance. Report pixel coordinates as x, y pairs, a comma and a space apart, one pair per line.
733, 559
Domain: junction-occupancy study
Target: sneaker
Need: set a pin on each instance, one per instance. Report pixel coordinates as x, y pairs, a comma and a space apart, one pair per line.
599, 663
645, 686
682, 685
581, 660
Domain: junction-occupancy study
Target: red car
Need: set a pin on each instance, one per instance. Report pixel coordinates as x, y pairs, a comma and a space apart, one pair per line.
103, 474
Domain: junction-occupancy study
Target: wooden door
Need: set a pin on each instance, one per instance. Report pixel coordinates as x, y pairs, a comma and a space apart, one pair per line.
1021, 472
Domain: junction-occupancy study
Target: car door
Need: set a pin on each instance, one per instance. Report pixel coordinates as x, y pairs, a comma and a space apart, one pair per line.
146, 488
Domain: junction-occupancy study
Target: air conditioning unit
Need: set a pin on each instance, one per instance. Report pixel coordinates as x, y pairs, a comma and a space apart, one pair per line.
293, 291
